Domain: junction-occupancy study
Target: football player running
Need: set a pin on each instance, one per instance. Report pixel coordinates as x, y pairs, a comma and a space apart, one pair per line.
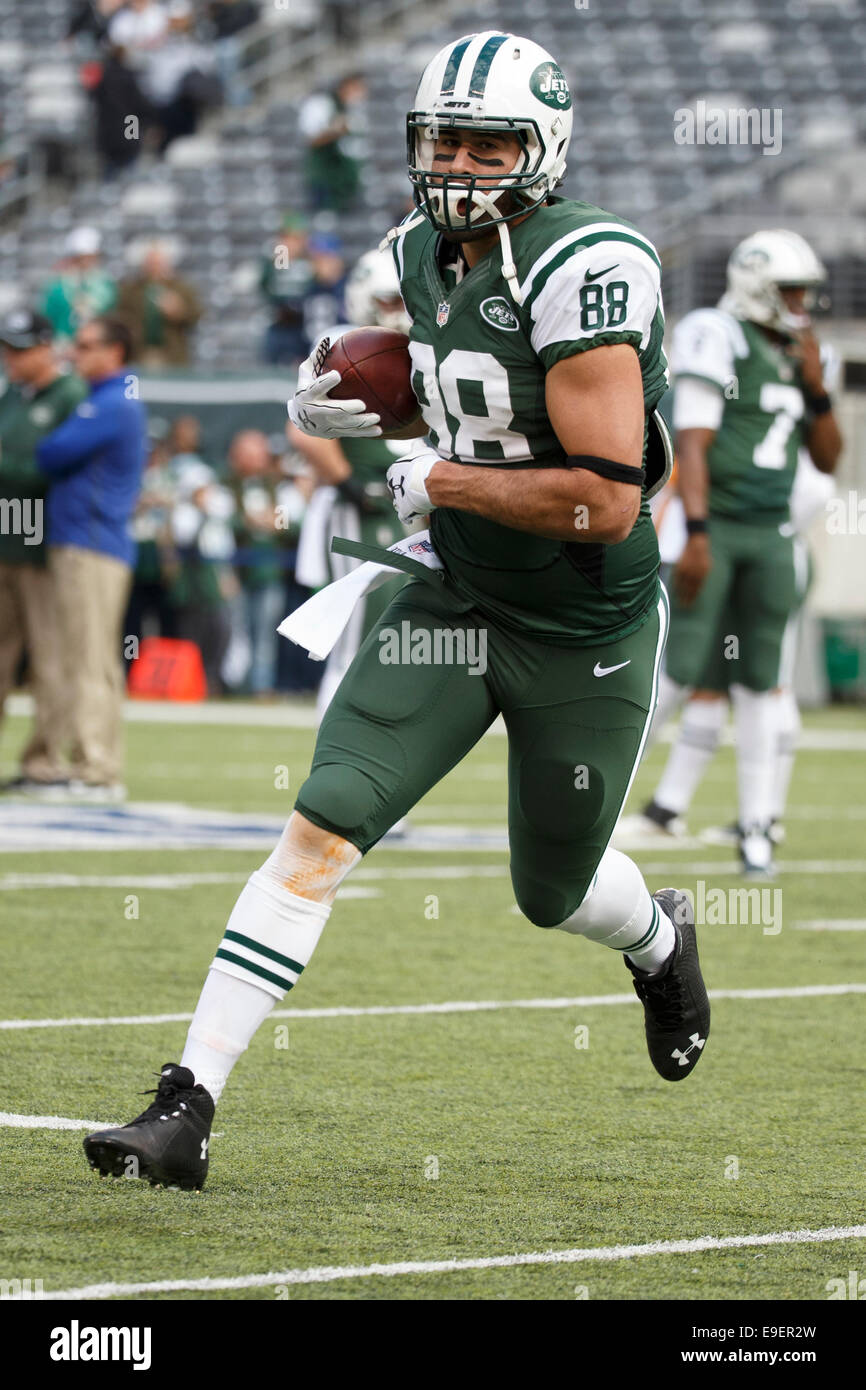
751, 392
536, 347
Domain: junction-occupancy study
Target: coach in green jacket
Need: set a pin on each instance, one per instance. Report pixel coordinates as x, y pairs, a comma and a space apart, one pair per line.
36, 399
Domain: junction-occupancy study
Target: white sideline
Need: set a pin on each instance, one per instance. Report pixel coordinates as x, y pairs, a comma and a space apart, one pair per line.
455, 1006
328, 1274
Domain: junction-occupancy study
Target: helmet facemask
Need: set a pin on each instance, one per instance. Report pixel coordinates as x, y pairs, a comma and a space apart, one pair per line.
486, 201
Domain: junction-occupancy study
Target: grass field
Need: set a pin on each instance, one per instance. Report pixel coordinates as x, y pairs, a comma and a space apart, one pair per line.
460, 1135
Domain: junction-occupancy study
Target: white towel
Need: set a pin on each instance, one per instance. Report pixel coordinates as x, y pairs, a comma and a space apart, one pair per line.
318, 623
311, 567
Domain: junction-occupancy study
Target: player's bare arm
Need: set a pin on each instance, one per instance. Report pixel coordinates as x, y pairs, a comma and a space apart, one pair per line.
595, 403
325, 455
823, 436
696, 561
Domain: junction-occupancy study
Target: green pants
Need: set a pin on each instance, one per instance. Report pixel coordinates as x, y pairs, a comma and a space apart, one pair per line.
733, 632
576, 720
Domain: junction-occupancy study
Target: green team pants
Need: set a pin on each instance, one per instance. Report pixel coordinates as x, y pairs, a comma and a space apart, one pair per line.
576, 720
733, 632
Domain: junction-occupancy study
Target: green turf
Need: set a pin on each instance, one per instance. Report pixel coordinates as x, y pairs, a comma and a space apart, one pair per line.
324, 1146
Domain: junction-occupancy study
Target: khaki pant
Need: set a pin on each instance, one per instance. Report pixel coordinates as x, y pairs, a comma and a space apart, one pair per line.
28, 619
92, 593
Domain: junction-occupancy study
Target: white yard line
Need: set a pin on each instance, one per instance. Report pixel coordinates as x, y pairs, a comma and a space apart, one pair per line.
833, 924
13, 882
10, 1121
426, 872
328, 1274
301, 714
456, 1006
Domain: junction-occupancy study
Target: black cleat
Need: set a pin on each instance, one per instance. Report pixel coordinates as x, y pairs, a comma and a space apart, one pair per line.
671, 822
676, 1007
168, 1143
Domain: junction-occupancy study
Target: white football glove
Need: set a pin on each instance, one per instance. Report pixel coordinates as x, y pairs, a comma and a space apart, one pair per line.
313, 411
407, 480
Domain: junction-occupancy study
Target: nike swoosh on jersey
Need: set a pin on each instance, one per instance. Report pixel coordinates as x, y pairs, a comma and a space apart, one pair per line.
599, 670
589, 277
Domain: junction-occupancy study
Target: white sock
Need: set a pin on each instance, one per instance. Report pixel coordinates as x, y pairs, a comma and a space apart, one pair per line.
618, 912
228, 1013
754, 716
270, 937
671, 696
696, 742
788, 725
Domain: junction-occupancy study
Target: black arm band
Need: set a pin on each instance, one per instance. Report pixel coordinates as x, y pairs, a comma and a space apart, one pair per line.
819, 405
696, 526
606, 468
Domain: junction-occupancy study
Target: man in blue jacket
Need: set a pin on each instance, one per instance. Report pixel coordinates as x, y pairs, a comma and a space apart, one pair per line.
94, 461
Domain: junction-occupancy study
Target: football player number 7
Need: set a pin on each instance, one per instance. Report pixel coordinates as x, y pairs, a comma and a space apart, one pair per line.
785, 403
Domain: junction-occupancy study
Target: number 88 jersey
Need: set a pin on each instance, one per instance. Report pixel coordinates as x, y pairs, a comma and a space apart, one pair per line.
479, 360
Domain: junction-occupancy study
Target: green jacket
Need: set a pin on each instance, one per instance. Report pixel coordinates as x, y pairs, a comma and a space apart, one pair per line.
25, 417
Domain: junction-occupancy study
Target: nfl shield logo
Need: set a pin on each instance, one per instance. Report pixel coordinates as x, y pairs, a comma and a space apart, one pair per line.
442, 315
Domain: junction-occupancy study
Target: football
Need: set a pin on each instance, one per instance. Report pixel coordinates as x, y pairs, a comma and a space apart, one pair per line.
375, 367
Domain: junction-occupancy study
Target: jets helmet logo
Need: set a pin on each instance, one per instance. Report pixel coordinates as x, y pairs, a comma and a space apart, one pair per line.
549, 85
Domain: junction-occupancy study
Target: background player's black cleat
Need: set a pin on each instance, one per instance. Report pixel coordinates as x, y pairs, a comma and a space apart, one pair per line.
167, 1143
676, 1007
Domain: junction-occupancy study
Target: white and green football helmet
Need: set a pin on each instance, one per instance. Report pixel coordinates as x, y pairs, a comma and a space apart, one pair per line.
373, 293
503, 84
760, 267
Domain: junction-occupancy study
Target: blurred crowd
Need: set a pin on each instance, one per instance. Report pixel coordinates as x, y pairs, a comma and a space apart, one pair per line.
154, 66
159, 307
217, 541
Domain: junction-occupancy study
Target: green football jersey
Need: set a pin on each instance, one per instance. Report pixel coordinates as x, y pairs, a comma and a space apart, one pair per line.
479, 363
753, 458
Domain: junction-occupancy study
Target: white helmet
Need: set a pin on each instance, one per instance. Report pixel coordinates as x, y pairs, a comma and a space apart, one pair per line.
505, 85
762, 265
372, 283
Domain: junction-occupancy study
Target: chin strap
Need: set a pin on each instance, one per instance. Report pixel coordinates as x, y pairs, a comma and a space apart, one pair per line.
388, 241
509, 269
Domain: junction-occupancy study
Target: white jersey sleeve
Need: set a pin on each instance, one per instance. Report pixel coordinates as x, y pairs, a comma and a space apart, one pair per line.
608, 292
697, 405
706, 344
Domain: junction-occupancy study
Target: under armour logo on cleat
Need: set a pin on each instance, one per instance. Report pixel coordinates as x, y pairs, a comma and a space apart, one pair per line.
204, 1142
683, 1057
